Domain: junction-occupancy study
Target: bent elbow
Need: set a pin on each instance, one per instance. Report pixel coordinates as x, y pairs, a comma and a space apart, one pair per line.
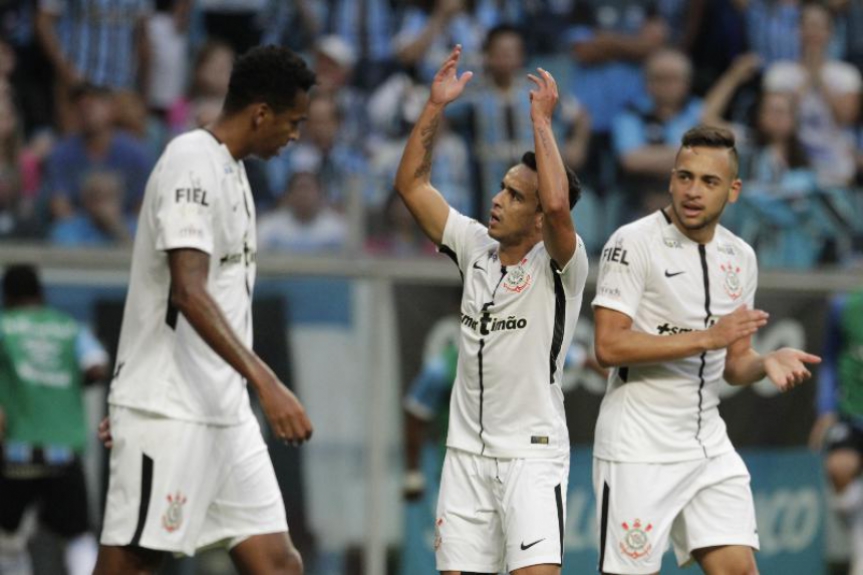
604, 356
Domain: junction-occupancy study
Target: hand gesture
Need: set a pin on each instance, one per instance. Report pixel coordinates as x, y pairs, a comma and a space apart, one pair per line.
104, 433
544, 97
285, 413
447, 86
743, 322
786, 367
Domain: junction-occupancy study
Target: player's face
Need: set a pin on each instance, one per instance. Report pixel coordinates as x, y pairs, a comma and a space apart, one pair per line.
702, 183
277, 130
514, 210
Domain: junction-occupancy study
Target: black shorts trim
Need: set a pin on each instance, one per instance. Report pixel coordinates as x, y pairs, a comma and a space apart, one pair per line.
146, 490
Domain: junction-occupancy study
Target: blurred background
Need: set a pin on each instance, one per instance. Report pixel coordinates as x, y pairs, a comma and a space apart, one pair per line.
354, 308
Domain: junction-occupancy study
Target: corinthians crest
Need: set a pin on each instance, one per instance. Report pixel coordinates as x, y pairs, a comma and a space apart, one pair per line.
172, 518
731, 282
517, 279
636, 542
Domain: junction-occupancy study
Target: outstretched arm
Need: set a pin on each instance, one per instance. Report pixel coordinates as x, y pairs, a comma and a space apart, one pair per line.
785, 367
557, 229
413, 182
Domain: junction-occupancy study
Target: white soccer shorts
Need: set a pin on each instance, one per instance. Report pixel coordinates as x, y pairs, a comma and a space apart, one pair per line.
500, 514
178, 486
698, 504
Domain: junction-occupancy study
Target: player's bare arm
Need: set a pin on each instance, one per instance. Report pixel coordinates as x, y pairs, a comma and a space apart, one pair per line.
413, 179
189, 271
785, 367
618, 344
557, 229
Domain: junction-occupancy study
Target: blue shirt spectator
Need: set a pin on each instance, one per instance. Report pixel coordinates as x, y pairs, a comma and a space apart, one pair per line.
368, 26
99, 40
100, 221
610, 39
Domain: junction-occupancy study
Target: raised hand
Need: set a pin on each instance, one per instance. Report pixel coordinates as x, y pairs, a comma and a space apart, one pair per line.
544, 97
743, 322
786, 367
447, 85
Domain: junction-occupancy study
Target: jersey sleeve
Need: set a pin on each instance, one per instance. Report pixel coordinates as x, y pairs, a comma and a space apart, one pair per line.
460, 236
88, 350
574, 273
623, 270
186, 202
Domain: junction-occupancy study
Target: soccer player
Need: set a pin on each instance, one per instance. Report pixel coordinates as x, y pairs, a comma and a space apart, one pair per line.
675, 314
45, 358
503, 487
189, 467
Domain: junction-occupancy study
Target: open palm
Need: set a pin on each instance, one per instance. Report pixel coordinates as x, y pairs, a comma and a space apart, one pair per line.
447, 85
786, 367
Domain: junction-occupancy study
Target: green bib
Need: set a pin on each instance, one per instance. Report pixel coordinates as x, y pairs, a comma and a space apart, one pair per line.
850, 360
40, 379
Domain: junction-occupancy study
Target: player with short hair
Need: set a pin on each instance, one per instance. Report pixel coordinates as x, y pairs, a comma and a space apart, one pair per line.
503, 488
675, 314
189, 467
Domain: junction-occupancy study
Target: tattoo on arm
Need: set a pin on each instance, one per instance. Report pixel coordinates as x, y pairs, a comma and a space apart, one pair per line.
427, 136
546, 147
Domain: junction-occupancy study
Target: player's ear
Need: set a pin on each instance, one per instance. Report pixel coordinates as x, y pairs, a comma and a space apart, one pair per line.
259, 114
734, 191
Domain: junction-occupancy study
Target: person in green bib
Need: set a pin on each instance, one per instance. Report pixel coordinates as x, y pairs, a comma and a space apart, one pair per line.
46, 358
839, 427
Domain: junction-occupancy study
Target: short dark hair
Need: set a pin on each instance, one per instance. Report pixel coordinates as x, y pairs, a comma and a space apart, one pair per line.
21, 281
529, 160
712, 137
267, 74
500, 30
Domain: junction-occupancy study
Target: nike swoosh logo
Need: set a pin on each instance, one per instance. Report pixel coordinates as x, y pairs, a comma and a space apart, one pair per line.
476, 266
528, 546
671, 275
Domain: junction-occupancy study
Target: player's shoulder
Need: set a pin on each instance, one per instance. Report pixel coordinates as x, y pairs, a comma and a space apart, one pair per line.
192, 145
644, 230
730, 243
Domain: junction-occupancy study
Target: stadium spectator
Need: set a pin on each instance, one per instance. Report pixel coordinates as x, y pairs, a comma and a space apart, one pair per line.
293, 24
646, 136
167, 30
397, 233
237, 22
211, 72
772, 28
46, 357
829, 91
301, 221
86, 41
31, 76
19, 173
98, 146
101, 220
494, 116
609, 40
368, 27
334, 67
341, 168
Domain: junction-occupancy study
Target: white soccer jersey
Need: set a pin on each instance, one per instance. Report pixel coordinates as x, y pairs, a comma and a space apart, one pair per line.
197, 197
669, 284
516, 324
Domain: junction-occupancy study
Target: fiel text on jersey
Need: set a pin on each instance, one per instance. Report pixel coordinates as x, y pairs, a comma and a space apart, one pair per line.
616, 254
193, 195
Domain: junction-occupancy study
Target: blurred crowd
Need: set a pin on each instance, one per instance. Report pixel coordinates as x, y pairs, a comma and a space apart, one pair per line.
91, 91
